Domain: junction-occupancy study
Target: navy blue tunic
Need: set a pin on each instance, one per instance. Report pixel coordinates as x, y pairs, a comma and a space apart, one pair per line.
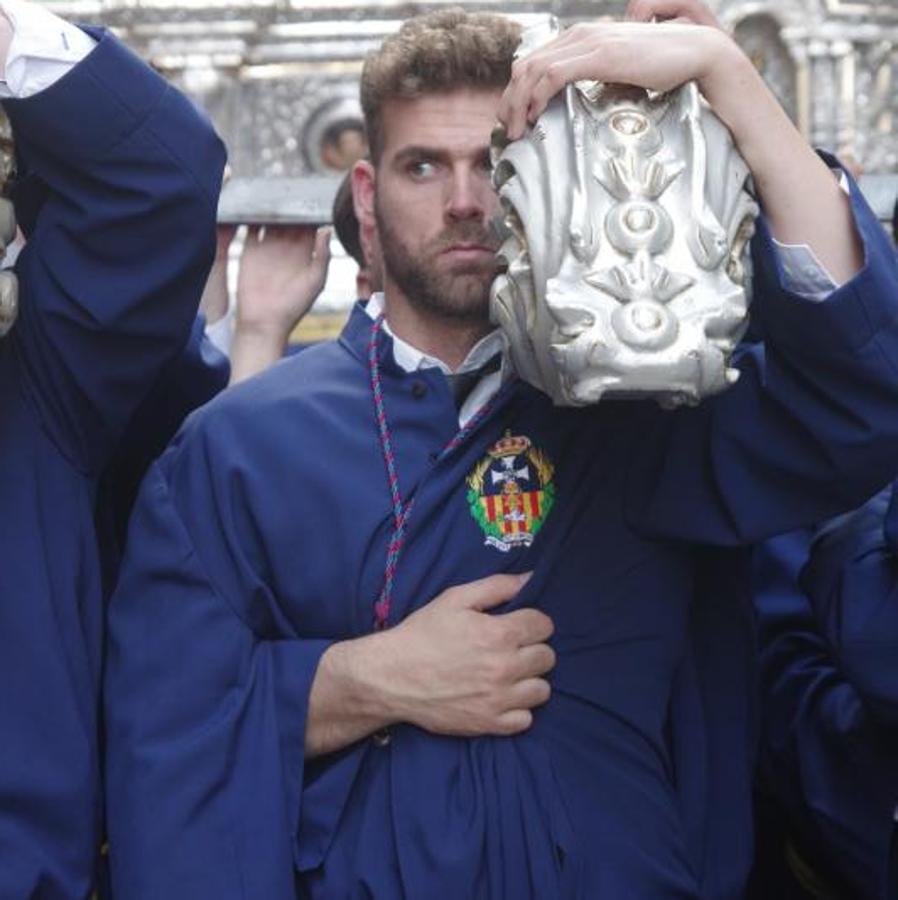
260, 538
827, 605
195, 376
123, 176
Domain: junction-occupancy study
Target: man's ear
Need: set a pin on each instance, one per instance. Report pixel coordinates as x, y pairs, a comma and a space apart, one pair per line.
363, 187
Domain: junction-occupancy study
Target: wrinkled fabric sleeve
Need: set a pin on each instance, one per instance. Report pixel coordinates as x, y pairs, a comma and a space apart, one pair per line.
852, 581
119, 182
809, 430
832, 768
205, 723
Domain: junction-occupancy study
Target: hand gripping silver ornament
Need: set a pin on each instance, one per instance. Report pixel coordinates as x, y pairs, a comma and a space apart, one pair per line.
627, 219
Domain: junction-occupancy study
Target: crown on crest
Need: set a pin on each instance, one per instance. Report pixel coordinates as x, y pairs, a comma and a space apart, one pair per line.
509, 446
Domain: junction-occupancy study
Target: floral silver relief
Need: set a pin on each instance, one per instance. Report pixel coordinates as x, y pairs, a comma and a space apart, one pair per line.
9, 287
627, 220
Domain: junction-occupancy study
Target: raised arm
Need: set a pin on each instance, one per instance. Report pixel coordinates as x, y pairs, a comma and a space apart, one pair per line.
118, 191
800, 196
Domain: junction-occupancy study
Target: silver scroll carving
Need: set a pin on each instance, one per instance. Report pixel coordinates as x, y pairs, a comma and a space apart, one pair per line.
9, 287
627, 221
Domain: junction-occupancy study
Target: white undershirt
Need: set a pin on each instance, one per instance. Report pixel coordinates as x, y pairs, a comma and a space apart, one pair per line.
410, 359
43, 49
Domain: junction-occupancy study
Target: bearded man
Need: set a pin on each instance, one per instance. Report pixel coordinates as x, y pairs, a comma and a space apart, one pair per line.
342, 665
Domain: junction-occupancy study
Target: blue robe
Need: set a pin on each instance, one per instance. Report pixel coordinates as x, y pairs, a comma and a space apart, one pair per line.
827, 606
195, 376
118, 198
260, 538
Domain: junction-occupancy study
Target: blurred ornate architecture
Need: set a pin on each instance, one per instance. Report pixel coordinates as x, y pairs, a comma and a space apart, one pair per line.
279, 76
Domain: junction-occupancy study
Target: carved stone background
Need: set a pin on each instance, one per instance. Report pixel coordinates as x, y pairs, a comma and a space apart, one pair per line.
263, 67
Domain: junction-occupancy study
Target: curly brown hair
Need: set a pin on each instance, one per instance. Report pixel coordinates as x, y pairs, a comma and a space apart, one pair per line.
436, 53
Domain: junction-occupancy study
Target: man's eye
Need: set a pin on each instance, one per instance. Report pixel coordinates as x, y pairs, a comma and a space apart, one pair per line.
422, 169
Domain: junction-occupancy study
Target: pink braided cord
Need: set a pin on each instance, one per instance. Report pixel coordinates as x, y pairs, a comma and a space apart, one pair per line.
401, 509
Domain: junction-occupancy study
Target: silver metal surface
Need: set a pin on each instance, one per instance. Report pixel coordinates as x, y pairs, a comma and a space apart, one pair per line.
628, 221
9, 288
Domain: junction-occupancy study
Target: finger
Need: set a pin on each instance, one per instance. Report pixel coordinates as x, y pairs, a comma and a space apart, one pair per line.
687, 11
292, 234
529, 693
527, 71
528, 626
486, 593
514, 721
639, 11
532, 660
603, 64
322, 252
225, 234
555, 66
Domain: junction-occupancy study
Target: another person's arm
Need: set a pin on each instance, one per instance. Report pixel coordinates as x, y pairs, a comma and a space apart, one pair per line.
851, 581
282, 272
118, 190
832, 767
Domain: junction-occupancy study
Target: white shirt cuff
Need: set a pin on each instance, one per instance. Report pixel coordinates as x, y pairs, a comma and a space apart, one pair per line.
804, 273
221, 333
43, 49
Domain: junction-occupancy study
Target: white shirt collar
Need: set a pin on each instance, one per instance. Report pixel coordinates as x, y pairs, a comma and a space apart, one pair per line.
410, 359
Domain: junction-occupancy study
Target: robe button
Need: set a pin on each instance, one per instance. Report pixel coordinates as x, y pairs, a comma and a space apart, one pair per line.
382, 738
419, 389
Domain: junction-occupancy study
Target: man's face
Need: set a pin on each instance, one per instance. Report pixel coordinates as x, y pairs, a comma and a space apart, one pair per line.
434, 201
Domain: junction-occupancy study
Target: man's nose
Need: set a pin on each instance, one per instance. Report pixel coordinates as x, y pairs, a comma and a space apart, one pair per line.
469, 196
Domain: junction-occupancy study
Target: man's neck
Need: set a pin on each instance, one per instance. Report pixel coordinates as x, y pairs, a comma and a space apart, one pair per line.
448, 340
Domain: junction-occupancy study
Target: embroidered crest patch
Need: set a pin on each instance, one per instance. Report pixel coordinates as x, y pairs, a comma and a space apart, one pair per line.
510, 492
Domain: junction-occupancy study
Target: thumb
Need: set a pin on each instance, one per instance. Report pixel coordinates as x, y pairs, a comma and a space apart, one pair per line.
322, 250
485, 593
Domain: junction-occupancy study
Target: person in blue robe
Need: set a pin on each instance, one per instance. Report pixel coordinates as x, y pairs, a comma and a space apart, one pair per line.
376, 638
828, 631
117, 189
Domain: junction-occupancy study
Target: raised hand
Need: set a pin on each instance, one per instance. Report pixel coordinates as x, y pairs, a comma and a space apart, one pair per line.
658, 56
800, 197
282, 272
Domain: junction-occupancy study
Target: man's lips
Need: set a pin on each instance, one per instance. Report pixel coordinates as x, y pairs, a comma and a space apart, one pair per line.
470, 251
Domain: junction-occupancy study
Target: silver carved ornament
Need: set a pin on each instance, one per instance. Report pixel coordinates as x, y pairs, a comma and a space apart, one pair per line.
9, 287
627, 221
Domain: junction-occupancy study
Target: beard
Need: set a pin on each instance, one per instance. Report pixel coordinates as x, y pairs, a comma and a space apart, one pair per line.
459, 292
